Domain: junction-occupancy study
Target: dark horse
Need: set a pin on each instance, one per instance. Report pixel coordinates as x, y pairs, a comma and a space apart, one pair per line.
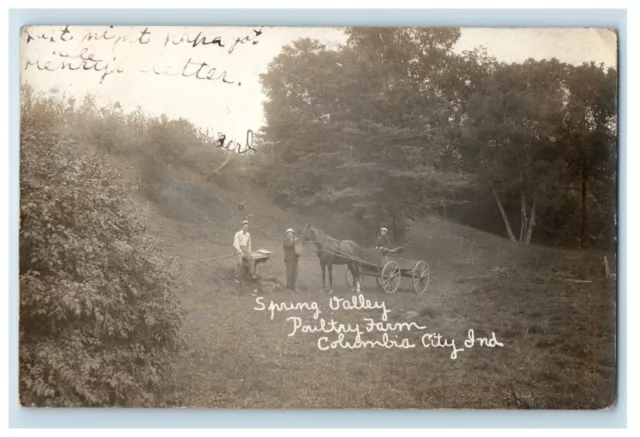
329, 253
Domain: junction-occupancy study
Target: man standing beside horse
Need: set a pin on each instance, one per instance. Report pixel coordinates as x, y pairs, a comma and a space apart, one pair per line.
291, 256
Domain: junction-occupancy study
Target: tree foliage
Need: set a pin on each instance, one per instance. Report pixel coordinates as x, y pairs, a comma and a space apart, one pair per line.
99, 315
395, 124
362, 123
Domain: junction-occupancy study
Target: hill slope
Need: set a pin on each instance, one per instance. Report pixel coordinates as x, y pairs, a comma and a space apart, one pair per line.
556, 350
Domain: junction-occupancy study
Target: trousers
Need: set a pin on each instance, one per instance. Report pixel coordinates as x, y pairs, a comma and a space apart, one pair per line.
292, 273
249, 257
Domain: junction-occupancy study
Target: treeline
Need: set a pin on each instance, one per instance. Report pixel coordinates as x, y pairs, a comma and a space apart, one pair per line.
394, 125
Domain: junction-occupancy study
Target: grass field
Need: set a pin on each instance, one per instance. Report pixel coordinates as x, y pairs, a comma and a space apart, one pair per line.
558, 336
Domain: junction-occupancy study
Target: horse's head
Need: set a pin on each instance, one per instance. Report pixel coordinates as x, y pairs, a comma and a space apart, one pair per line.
308, 234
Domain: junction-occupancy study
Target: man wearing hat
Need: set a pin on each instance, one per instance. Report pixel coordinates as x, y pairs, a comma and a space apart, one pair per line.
383, 239
242, 249
291, 258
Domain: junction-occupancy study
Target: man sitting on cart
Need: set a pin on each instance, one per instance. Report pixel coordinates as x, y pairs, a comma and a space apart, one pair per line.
242, 249
383, 241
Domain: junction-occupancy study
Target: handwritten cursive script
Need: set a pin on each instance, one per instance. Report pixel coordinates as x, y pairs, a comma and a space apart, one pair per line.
365, 333
283, 306
91, 54
143, 37
234, 145
191, 68
84, 61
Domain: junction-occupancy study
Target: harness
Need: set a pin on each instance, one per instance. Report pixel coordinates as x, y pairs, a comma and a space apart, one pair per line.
333, 252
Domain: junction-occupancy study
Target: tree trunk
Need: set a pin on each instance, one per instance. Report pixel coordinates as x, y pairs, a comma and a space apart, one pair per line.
583, 224
408, 213
504, 214
532, 222
394, 227
523, 215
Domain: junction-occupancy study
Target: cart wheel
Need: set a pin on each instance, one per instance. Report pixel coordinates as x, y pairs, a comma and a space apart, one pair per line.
420, 277
390, 277
349, 279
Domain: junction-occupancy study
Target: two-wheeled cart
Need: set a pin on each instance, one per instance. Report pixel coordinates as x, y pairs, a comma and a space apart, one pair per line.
389, 270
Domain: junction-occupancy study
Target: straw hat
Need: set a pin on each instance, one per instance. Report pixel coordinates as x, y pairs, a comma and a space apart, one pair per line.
384, 229
289, 230
244, 222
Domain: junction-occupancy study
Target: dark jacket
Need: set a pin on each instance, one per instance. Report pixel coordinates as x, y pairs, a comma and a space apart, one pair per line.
289, 249
383, 241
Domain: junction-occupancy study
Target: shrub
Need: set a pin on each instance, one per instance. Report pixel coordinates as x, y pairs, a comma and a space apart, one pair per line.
99, 317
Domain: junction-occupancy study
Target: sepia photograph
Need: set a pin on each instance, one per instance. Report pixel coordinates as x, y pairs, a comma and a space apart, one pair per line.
284, 217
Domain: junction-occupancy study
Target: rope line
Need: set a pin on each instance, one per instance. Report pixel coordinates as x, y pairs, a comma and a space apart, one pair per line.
340, 254
207, 259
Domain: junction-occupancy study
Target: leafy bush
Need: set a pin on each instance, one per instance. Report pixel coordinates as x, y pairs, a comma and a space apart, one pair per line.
99, 317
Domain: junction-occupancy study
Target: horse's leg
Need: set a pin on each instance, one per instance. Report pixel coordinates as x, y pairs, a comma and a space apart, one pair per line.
356, 276
322, 266
354, 273
330, 267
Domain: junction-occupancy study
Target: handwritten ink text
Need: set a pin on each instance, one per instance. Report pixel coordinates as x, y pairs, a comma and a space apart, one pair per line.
84, 61
358, 303
239, 148
284, 306
357, 335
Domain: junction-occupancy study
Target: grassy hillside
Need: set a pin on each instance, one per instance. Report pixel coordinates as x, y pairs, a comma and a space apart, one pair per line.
552, 310
558, 350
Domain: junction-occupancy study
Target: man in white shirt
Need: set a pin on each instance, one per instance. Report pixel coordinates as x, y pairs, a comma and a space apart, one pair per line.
242, 249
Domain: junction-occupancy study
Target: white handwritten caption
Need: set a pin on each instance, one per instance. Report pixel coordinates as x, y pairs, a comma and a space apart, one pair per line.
370, 325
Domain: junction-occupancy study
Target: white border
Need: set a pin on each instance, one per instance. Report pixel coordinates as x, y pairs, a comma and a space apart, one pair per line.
632, 179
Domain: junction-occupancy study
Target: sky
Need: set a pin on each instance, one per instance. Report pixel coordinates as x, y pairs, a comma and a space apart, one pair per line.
133, 55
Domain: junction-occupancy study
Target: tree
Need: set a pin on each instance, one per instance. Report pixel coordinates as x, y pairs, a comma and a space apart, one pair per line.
590, 124
394, 124
510, 135
365, 122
